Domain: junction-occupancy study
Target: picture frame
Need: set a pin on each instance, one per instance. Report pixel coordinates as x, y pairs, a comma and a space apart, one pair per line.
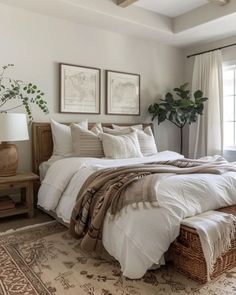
80, 90
122, 93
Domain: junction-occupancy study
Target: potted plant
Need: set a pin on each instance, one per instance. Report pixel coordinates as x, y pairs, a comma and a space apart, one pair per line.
24, 94
181, 110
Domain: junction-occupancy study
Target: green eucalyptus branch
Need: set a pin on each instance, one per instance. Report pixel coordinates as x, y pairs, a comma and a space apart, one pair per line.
27, 93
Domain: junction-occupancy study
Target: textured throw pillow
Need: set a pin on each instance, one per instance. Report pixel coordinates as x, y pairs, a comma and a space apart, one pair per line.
86, 143
117, 132
62, 141
145, 137
147, 141
121, 146
117, 127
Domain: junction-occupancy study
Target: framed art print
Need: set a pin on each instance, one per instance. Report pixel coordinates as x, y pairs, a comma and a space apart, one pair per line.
79, 89
123, 93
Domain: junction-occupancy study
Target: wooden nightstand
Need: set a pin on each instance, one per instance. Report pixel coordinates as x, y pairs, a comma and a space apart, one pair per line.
24, 182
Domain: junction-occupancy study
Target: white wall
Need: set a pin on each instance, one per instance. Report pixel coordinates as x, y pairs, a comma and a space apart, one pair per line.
229, 58
36, 44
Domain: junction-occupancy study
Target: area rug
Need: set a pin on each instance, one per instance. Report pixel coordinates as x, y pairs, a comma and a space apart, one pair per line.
46, 260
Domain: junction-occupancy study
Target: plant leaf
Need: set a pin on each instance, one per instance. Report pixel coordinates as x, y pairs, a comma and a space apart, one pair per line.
198, 94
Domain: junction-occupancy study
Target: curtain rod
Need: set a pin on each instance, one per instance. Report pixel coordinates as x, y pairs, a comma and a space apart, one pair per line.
226, 46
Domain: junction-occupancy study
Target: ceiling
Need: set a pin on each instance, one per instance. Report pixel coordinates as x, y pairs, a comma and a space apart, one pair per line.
187, 23
171, 8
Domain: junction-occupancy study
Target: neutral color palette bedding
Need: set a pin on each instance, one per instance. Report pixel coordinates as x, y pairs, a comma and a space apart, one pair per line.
139, 238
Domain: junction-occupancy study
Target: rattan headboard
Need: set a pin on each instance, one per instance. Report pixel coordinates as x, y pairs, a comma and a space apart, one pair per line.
42, 144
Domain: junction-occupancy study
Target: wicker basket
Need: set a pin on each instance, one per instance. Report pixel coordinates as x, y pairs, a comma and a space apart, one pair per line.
187, 255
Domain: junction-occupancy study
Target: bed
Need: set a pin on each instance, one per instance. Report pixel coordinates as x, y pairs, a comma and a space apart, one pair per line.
138, 239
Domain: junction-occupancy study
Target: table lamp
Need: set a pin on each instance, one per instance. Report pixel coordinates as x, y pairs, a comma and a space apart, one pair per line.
13, 127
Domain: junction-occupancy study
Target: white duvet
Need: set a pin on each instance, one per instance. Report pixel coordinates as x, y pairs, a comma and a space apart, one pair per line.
138, 238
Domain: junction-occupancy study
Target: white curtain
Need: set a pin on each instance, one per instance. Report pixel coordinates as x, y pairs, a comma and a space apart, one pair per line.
206, 136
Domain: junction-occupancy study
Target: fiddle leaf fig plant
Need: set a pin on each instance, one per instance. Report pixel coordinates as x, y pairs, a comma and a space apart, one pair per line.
179, 108
24, 94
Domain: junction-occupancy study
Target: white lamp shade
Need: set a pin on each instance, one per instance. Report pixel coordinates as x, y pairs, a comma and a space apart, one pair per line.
13, 127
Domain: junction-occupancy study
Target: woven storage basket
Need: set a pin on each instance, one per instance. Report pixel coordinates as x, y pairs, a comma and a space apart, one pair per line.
187, 255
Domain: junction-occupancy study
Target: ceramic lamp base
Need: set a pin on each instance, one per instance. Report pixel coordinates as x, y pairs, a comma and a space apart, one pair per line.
8, 159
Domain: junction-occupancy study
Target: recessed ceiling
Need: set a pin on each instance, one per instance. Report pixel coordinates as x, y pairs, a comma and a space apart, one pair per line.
207, 23
171, 8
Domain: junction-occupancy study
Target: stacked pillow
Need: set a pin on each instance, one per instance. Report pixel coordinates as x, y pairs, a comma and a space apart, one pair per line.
121, 146
86, 143
62, 140
118, 127
145, 137
121, 142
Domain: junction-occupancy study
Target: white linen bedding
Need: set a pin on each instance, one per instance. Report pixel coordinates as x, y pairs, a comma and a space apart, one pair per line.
139, 238
43, 167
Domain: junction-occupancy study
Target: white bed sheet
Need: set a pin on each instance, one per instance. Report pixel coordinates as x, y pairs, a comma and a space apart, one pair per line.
138, 238
43, 167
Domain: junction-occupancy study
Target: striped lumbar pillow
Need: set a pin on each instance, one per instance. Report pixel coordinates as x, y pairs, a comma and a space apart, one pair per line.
86, 143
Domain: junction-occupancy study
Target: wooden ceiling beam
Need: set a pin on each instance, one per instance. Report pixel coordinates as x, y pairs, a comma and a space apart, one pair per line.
125, 3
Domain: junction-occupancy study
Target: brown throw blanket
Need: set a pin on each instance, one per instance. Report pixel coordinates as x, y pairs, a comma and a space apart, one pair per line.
106, 190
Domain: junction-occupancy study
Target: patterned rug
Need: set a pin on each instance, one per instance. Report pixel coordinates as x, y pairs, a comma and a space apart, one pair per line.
45, 260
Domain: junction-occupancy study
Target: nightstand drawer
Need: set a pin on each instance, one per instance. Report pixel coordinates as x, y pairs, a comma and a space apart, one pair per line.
14, 185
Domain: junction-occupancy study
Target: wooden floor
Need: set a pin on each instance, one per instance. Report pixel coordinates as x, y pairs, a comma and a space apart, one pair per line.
15, 222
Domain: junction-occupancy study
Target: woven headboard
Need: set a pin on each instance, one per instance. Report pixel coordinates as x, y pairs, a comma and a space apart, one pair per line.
42, 143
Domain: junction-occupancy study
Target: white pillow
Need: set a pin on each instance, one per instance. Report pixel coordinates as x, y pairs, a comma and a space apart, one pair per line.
121, 146
145, 137
62, 141
117, 127
147, 141
86, 143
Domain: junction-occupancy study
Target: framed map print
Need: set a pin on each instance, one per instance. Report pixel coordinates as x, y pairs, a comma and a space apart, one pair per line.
123, 93
79, 89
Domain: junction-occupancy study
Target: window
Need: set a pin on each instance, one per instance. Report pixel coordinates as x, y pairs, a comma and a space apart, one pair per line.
229, 80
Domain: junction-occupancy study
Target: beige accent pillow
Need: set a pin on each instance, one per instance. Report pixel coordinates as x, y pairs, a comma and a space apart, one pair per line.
147, 141
117, 127
61, 135
86, 143
121, 146
117, 132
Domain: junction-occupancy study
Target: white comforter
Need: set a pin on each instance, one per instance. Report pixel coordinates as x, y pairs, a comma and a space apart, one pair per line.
139, 238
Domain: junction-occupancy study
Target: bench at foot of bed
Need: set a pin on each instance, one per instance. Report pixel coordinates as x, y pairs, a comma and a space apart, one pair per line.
187, 255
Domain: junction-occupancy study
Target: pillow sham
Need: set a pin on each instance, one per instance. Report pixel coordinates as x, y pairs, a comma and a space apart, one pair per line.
117, 127
61, 135
117, 132
147, 141
121, 146
145, 137
86, 143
